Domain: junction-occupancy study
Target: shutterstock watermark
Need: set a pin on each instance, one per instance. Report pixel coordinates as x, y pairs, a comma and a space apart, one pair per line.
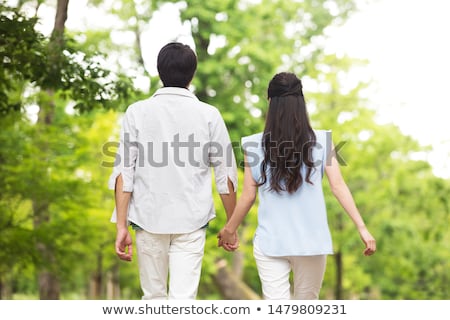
196, 153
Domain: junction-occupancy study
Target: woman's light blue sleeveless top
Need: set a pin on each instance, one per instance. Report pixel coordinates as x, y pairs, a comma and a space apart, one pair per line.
292, 224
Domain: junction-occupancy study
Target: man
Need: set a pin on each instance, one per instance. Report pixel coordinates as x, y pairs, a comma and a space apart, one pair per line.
162, 179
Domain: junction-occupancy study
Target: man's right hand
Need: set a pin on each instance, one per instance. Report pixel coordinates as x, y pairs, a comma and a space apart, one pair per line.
124, 245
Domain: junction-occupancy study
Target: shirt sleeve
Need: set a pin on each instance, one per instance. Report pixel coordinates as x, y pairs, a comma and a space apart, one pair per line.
221, 156
251, 145
126, 155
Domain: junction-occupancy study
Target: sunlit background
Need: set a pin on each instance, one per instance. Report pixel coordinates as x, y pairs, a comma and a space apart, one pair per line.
405, 43
377, 78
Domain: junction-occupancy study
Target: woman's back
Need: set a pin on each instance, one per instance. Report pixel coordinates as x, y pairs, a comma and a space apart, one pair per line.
292, 223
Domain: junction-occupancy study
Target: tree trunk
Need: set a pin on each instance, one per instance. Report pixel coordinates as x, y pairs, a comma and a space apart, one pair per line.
339, 262
60, 18
238, 264
339, 271
49, 286
112, 285
5, 289
230, 286
96, 282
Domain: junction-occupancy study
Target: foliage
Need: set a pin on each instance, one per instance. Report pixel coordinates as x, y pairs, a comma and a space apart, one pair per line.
27, 56
44, 202
400, 199
240, 45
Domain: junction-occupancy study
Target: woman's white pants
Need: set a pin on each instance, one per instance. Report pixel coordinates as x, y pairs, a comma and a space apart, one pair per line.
274, 273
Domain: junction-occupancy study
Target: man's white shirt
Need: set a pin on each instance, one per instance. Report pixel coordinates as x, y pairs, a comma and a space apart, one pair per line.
168, 145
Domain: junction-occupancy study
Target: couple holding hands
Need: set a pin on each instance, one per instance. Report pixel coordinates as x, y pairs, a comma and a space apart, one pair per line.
162, 181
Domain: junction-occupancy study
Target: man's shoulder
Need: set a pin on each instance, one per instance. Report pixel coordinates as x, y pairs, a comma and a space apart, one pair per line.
137, 105
206, 111
208, 107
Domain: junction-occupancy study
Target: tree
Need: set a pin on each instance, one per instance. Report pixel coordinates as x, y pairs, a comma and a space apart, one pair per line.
396, 195
56, 74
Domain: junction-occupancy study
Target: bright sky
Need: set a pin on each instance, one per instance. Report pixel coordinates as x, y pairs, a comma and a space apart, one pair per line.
405, 43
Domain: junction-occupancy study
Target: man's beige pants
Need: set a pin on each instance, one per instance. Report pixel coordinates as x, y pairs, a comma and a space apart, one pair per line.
173, 258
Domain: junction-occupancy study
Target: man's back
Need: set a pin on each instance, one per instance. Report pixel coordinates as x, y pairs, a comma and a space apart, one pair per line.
173, 138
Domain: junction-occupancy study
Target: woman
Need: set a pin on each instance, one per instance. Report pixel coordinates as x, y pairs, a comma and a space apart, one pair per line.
285, 165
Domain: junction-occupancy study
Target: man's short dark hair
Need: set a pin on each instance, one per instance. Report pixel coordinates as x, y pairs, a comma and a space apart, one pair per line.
177, 63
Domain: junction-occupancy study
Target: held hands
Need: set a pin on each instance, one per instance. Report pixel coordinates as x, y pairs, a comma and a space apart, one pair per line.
124, 245
229, 241
368, 240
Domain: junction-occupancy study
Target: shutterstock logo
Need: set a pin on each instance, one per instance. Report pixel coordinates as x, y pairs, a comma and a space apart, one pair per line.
190, 152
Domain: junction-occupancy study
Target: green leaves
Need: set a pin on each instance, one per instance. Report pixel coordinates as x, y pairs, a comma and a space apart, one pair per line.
21, 55
28, 57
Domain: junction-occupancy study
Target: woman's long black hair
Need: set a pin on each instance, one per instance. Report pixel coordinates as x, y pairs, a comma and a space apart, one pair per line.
288, 137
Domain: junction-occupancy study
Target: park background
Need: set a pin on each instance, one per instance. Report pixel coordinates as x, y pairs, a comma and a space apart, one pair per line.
70, 69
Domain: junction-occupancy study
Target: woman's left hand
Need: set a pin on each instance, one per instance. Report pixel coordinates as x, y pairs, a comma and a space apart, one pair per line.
369, 241
229, 241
